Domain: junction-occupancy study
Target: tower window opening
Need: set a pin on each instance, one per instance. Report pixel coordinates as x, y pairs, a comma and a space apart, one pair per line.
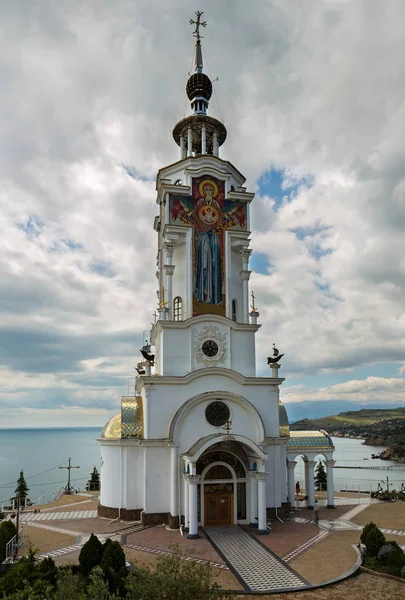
234, 311
178, 309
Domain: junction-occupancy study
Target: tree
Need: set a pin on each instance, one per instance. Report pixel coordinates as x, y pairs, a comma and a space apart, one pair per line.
7, 532
320, 476
113, 565
90, 555
175, 577
93, 484
372, 538
21, 491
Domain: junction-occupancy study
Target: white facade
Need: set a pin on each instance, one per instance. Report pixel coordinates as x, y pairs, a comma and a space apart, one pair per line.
200, 442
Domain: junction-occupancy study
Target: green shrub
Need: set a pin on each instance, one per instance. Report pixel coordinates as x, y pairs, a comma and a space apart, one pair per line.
90, 555
7, 532
175, 578
372, 538
113, 564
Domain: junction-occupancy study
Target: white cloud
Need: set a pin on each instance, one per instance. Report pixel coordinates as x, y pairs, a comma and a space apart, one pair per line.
88, 88
372, 389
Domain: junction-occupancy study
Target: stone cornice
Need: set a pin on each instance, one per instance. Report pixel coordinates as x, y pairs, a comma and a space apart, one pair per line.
217, 371
204, 319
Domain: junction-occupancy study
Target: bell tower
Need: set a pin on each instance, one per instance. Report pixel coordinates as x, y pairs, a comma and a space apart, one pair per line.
204, 219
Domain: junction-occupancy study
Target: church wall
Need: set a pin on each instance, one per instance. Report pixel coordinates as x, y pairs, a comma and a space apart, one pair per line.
242, 423
243, 353
165, 400
157, 479
110, 494
176, 358
134, 477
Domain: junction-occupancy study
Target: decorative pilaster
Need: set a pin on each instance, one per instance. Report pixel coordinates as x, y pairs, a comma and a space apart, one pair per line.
193, 481
203, 139
182, 147
261, 477
189, 141
245, 276
291, 482
253, 498
186, 502
169, 270
215, 145
174, 503
310, 483
329, 483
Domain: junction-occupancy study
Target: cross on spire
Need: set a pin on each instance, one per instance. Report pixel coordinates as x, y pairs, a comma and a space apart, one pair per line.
197, 23
253, 307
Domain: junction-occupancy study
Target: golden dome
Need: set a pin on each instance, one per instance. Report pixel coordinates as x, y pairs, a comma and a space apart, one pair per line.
112, 429
284, 428
128, 423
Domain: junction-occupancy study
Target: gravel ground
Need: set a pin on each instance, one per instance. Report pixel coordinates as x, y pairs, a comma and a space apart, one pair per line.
390, 515
44, 540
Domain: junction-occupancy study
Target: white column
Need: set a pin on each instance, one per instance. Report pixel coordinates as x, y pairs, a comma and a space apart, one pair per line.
329, 482
203, 139
253, 498
189, 141
193, 481
215, 146
310, 483
261, 497
186, 498
291, 482
245, 276
174, 502
169, 270
182, 147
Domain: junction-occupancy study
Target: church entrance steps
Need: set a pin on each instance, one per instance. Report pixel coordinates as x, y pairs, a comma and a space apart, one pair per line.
58, 516
317, 538
200, 561
254, 565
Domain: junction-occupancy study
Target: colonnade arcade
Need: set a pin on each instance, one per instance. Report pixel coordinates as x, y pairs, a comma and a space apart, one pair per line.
226, 485
309, 470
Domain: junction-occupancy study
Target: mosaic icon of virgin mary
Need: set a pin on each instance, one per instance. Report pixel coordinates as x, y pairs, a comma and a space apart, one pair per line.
208, 220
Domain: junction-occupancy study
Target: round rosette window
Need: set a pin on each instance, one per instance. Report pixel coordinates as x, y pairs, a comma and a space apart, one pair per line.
217, 413
210, 348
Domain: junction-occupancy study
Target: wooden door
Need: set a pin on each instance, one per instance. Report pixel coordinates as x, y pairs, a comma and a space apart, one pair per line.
218, 509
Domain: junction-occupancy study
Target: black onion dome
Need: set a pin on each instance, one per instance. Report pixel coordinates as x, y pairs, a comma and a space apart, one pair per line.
199, 84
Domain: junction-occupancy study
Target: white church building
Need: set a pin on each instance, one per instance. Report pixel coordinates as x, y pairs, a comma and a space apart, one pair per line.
203, 440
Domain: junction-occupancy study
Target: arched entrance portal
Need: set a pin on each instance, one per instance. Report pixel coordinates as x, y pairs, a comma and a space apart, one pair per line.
222, 492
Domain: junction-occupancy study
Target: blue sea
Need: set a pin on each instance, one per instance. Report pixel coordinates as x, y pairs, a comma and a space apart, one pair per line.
39, 453
37, 450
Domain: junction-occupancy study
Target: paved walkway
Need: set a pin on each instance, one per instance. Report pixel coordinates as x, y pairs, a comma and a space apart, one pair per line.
56, 516
256, 567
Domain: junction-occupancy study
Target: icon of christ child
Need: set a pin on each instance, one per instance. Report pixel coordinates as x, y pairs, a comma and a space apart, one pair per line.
209, 221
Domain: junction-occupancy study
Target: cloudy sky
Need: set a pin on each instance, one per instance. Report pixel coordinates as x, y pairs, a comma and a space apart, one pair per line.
313, 97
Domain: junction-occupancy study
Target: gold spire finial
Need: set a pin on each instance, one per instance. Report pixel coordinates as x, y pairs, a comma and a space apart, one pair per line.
252, 306
162, 303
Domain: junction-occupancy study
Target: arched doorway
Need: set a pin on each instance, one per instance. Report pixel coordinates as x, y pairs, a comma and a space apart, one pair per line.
222, 493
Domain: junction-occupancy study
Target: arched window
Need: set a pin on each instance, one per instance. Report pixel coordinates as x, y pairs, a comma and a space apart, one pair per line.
234, 309
177, 309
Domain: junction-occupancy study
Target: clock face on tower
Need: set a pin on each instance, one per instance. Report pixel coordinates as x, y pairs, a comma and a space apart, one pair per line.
210, 348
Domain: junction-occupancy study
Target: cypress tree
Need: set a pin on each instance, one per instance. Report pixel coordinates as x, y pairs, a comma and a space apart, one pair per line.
320, 477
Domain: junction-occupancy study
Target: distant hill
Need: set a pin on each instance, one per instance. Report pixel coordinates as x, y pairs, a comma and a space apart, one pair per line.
365, 416
315, 409
378, 427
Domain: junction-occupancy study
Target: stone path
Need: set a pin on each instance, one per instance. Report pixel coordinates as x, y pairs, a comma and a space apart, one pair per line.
61, 551
66, 515
256, 567
81, 502
317, 538
56, 529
